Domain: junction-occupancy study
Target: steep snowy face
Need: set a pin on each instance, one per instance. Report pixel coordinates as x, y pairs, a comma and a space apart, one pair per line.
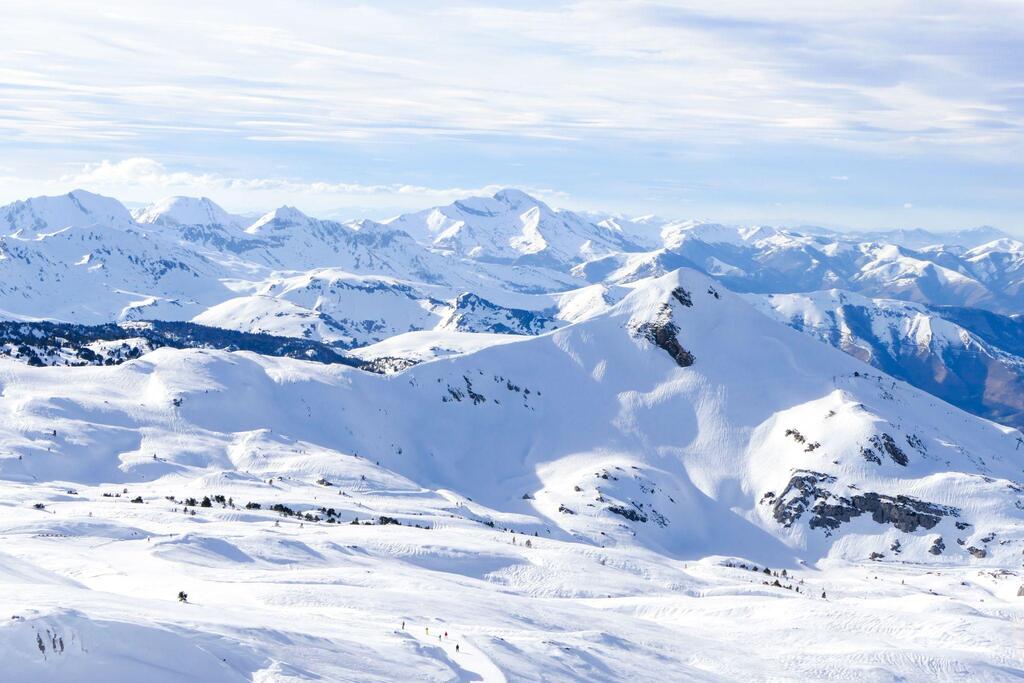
510, 227
78, 209
917, 344
1000, 265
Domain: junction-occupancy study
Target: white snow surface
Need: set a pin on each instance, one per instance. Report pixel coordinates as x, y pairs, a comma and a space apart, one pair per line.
648, 479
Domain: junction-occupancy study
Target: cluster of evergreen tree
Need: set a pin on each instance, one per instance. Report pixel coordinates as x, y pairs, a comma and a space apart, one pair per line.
35, 341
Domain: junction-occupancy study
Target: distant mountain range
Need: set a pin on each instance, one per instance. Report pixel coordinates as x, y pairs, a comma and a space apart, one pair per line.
935, 309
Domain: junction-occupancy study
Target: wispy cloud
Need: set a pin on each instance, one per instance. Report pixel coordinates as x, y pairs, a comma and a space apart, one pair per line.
901, 73
451, 91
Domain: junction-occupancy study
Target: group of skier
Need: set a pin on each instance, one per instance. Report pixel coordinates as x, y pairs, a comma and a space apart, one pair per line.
440, 637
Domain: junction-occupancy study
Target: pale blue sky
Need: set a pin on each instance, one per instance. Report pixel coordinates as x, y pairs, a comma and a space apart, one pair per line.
863, 114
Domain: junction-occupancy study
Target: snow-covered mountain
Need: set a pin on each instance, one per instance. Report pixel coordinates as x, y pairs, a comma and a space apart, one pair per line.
498, 441
658, 457
46, 215
513, 227
487, 246
763, 259
968, 238
355, 310
802, 427
82, 258
184, 212
935, 349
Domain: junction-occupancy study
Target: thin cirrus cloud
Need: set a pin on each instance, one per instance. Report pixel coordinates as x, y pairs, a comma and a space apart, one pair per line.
596, 98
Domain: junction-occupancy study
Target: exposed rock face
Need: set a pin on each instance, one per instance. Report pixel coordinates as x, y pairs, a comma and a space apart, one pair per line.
937, 546
683, 297
662, 333
805, 491
885, 443
388, 365
471, 313
802, 488
629, 513
980, 553
870, 455
903, 512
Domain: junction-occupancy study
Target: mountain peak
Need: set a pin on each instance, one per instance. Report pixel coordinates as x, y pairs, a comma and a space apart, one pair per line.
517, 198
78, 208
674, 234
281, 217
178, 211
